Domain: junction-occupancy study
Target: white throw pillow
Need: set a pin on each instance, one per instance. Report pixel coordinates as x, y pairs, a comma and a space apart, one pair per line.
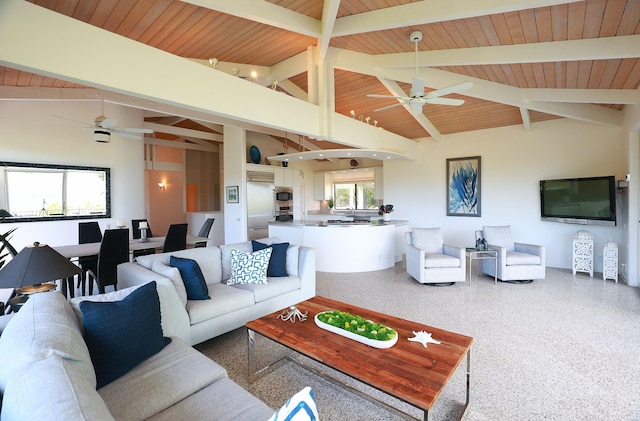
249, 267
300, 407
174, 275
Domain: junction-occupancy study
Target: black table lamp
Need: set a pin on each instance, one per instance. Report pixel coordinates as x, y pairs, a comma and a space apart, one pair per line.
34, 265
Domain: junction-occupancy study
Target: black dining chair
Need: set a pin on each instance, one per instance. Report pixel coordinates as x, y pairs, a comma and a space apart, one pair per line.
114, 250
135, 226
88, 232
204, 232
176, 238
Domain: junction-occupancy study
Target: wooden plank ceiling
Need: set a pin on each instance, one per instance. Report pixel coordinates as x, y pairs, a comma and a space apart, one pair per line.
277, 30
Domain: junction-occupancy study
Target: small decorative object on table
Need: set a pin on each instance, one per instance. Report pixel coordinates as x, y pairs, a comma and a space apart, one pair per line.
144, 226
424, 338
292, 314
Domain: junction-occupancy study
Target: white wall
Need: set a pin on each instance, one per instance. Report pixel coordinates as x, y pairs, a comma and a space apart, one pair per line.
29, 132
512, 164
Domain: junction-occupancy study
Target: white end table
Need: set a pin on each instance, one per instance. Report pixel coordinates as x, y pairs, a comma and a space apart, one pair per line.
477, 254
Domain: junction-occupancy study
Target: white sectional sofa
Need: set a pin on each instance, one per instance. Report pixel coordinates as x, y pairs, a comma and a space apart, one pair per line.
230, 306
46, 373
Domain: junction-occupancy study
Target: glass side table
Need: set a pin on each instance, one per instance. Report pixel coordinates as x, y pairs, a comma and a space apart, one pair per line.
477, 254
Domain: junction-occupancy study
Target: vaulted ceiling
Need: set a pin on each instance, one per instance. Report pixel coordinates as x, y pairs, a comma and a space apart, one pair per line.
528, 60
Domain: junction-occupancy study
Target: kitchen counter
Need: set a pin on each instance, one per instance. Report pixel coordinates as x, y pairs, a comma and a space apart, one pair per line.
346, 247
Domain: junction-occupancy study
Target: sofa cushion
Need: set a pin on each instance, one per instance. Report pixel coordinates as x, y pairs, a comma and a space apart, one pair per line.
225, 251
224, 299
249, 267
173, 274
498, 236
275, 287
428, 239
121, 334
234, 404
53, 388
515, 258
292, 260
300, 407
45, 326
192, 277
277, 261
437, 260
161, 381
208, 259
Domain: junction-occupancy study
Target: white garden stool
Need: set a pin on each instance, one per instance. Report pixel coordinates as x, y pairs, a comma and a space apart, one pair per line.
610, 261
583, 252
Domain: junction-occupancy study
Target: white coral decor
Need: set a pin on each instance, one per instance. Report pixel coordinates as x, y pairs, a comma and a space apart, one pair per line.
424, 338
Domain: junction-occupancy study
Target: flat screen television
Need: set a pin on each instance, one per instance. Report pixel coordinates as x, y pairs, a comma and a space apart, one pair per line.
589, 200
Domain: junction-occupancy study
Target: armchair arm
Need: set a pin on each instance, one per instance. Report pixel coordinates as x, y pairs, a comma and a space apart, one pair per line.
532, 249
502, 253
415, 261
456, 251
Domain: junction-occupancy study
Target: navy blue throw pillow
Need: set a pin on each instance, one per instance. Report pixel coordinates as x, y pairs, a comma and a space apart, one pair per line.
278, 261
122, 334
192, 277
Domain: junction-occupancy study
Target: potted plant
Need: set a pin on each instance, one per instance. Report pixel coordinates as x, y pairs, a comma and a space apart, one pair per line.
330, 203
385, 211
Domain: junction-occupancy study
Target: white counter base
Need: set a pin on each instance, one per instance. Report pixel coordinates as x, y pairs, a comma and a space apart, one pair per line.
344, 249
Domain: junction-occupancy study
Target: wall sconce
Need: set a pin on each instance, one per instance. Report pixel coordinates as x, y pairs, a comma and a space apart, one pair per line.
235, 71
161, 185
367, 119
274, 85
353, 114
213, 62
254, 75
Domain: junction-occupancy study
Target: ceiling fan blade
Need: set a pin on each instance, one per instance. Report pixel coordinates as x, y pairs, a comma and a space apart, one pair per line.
106, 122
126, 134
386, 96
133, 130
387, 107
449, 90
445, 101
88, 126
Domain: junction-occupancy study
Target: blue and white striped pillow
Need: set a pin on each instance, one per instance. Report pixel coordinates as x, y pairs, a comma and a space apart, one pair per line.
249, 268
300, 407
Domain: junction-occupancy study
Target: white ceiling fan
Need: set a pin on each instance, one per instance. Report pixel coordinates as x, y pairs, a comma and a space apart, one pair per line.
103, 127
417, 96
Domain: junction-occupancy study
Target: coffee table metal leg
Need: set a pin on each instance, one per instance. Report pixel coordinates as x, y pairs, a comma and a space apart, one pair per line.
255, 372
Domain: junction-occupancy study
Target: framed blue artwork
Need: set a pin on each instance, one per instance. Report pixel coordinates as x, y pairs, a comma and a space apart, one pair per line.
463, 186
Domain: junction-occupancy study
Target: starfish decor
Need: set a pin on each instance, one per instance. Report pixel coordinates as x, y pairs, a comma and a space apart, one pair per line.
424, 338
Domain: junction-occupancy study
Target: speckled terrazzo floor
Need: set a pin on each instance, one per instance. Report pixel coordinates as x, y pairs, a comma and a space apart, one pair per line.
565, 348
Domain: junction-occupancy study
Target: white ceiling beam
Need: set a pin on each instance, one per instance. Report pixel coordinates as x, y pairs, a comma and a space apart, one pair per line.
424, 12
181, 145
422, 120
290, 67
588, 96
211, 126
543, 52
526, 119
329, 14
182, 132
293, 89
266, 13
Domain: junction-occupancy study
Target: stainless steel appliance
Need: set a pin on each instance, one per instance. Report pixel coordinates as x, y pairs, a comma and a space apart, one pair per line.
283, 204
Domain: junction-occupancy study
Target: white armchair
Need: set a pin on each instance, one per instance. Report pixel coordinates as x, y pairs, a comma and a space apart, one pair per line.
430, 261
516, 261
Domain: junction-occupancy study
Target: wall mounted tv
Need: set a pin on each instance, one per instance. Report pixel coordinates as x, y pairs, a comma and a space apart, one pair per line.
589, 200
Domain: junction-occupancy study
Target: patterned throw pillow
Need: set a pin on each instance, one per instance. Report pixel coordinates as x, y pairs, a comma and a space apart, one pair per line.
300, 407
249, 268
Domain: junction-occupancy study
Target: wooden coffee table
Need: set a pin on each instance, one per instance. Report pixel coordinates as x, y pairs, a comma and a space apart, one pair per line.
407, 371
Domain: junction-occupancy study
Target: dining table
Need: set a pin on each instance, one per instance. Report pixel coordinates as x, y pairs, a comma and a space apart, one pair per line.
73, 251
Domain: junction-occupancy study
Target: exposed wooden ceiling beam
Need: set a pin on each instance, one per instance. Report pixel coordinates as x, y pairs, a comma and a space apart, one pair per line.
542, 52
266, 13
424, 12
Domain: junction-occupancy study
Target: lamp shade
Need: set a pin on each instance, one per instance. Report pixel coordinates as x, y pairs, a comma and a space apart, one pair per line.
36, 264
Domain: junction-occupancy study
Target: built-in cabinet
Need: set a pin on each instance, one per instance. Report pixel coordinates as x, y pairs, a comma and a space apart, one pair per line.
282, 177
